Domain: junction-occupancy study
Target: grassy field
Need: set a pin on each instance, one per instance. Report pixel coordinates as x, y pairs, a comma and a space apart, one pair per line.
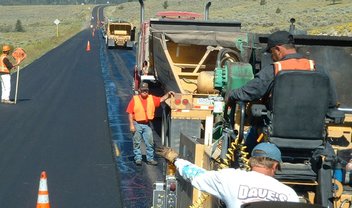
39, 36
313, 16
40, 32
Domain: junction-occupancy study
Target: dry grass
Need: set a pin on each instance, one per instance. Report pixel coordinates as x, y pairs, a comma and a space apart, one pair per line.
313, 16
40, 33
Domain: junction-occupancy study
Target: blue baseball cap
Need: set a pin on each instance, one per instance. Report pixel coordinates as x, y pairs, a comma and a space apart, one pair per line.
268, 150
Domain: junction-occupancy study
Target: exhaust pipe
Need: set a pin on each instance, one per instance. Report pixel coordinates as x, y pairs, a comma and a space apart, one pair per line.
142, 11
206, 10
140, 44
292, 26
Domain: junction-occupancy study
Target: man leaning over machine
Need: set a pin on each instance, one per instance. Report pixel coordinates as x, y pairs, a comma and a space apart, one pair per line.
235, 186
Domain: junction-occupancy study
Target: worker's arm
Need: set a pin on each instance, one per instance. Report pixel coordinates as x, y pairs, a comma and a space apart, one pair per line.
200, 178
130, 111
187, 169
130, 118
255, 88
166, 96
8, 64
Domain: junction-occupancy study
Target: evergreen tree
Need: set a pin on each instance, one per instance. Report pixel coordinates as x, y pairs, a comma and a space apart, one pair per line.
165, 4
19, 27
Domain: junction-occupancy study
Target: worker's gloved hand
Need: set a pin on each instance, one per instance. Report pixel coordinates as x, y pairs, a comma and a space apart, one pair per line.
167, 153
171, 93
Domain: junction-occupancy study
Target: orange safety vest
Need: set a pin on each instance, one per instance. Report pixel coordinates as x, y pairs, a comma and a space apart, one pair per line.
3, 67
140, 113
294, 64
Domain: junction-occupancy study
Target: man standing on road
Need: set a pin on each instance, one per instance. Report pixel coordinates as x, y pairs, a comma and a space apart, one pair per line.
5, 67
235, 186
141, 111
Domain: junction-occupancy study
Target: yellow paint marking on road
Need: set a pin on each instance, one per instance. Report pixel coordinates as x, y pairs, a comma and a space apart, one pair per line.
117, 151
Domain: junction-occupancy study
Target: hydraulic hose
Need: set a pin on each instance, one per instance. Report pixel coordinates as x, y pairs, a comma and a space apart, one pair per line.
221, 56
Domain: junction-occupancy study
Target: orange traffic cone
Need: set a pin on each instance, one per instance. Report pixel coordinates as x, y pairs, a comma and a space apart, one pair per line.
88, 46
43, 194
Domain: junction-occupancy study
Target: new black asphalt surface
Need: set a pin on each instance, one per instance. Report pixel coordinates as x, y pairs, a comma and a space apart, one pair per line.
136, 182
59, 125
69, 121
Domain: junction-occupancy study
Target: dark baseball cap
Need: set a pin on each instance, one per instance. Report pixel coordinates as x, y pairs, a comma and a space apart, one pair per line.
144, 86
279, 38
268, 150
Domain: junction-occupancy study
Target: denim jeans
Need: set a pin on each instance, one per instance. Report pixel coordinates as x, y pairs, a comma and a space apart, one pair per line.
143, 131
251, 138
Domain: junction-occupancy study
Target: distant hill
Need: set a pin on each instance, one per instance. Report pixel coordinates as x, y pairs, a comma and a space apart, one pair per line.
57, 2
323, 17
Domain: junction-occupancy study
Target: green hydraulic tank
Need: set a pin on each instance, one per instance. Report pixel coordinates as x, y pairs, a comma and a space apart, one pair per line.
238, 74
234, 75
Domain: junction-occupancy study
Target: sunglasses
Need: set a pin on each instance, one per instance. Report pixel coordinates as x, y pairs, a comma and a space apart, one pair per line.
144, 91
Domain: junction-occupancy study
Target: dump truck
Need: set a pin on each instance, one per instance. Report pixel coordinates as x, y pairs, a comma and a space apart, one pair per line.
119, 33
201, 61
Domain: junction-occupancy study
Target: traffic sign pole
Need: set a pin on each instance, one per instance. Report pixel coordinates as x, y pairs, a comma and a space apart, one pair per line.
17, 82
57, 22
19, 54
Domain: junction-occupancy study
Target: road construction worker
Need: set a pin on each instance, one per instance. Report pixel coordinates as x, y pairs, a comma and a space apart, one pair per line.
283, 52
5, 67
145, 68
141, 111
235, 186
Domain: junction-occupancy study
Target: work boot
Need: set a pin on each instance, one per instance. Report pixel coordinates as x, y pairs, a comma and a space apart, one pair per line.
138, 162
152, 162
7, 101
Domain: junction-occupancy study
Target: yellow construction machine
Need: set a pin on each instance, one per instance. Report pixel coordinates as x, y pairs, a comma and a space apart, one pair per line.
119, 33
201, 61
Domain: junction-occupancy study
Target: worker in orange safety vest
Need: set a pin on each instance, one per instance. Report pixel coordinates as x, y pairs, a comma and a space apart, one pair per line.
141, 109
285, 57
5, 67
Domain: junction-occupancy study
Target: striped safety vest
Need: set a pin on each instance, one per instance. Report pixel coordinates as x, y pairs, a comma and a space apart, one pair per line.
3, 67
294, 64
140, 113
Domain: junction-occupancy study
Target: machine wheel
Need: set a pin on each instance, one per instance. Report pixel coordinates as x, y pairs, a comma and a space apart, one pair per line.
110, 43
107, 44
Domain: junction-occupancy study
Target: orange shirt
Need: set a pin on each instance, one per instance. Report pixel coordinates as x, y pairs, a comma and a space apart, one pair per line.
130, 107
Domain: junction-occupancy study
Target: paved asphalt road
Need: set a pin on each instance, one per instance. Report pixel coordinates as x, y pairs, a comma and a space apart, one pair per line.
68, 121
59, 125
136, 182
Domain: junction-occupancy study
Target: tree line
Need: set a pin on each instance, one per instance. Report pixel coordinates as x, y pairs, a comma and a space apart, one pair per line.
58, 2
